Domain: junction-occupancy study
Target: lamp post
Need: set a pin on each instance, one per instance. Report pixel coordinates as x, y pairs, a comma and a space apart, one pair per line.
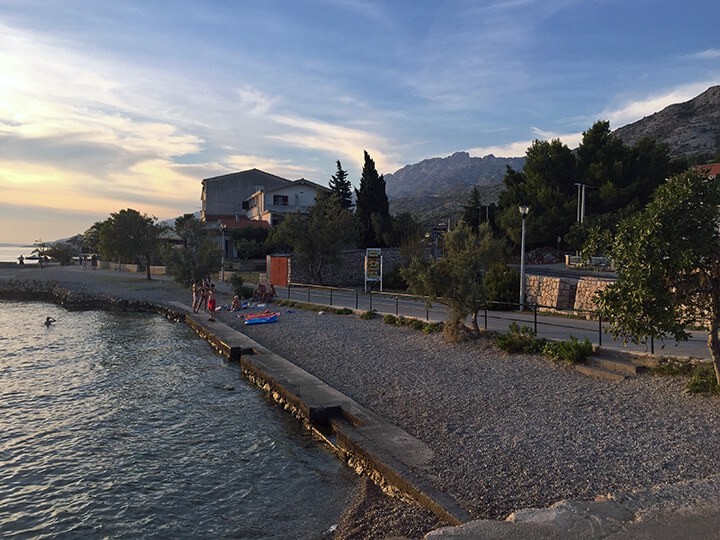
222, 227
523, 212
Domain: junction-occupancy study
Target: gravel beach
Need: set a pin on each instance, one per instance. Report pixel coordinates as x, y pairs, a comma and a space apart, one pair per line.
507, 431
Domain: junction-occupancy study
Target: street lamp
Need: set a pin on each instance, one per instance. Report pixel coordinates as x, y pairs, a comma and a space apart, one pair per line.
222, 245
523, 212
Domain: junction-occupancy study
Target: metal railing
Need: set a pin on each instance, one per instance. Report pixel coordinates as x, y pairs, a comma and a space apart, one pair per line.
411, 305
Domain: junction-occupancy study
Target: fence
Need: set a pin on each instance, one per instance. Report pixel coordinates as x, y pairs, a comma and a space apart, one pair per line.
418, 306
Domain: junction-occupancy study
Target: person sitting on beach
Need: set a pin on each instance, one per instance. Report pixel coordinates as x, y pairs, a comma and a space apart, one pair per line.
211, 301
271, 292
260, 292
49, 321
236, 305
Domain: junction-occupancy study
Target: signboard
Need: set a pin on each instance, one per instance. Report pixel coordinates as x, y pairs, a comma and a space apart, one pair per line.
373, 266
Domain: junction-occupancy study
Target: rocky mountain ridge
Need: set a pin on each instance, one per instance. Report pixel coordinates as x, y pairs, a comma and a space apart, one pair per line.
689, 129
444, 176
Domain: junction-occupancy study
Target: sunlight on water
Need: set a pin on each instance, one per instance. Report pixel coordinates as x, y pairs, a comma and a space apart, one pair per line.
126, 426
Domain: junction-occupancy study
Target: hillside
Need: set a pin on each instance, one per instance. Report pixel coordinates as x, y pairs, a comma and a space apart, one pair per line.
448, 176
688, 128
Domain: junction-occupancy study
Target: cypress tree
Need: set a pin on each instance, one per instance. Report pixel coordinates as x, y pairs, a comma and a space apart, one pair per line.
372, 209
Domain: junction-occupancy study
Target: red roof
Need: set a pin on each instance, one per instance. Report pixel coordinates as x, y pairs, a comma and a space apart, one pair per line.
236, 222
711, 169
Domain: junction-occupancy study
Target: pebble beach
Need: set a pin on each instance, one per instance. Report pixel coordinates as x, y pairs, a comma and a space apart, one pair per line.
507, 431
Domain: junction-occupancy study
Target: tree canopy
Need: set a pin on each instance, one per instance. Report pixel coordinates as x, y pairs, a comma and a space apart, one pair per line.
668, 265
127, 235
197, 257
619, 180
318, 236
341, 187
372, 209
458, 277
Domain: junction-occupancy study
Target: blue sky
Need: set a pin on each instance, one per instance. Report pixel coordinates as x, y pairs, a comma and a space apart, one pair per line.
129, 104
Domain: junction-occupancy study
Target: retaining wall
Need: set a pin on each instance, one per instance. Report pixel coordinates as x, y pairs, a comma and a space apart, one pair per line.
349, 269
564, 293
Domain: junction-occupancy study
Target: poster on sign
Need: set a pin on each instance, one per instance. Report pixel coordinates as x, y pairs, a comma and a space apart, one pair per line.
373, 266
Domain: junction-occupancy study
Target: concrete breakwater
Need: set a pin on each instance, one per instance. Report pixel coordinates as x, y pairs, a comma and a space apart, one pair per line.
367, 443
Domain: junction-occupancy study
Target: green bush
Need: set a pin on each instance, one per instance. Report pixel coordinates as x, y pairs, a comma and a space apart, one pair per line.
573, 351
418, 325
236, 284
703, 381
520, 339
367, 315
390, 319
502, 284
429, 328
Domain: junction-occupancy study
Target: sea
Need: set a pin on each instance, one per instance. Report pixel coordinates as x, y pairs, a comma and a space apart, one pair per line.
11, 252
129, 426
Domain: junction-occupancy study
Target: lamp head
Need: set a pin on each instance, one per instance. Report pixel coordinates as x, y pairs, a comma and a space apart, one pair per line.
524, 209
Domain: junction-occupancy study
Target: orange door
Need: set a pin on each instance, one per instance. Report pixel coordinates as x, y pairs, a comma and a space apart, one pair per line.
279, 271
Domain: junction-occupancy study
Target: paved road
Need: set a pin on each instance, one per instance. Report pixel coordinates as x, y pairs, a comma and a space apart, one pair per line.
548, 326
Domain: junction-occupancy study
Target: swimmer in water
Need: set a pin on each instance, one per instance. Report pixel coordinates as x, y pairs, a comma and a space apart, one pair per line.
49, 321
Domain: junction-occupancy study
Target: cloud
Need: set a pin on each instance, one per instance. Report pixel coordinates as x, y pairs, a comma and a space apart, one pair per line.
519, 148
346, 143
635, 110
708, 54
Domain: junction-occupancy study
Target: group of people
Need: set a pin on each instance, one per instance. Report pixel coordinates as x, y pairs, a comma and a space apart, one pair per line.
263, 293
204, 297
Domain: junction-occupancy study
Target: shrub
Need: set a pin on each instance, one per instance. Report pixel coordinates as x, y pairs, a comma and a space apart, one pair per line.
367, 315
573, 351
703, 380
236, 284
429, 328
417, 324
502, 284
390, 319
520, 339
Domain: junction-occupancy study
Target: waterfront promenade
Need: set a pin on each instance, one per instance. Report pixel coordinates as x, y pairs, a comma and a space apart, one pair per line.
506, 432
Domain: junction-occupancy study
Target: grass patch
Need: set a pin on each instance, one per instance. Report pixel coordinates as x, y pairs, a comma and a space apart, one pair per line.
703, 381
672, 369
367, 315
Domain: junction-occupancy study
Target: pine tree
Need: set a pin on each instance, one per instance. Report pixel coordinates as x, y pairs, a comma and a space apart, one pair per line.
341, 187
471, 211
372, 209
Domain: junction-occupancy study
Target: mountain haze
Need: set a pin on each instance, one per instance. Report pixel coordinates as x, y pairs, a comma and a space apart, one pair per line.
445, 176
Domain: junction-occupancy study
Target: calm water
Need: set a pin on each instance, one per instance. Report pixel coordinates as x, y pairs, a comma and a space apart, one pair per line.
128, 426
11, 253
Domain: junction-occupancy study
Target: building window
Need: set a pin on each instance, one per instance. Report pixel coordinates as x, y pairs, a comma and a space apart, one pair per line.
280, 200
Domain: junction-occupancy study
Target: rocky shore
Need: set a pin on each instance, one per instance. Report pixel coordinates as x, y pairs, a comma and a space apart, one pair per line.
507, 431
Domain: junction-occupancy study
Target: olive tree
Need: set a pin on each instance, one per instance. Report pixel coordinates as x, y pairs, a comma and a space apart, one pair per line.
457, 278
668, 265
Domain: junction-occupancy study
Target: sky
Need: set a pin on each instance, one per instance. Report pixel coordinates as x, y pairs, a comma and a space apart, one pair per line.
107, 105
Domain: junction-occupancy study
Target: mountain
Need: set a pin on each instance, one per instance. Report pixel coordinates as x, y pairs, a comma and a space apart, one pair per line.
688, 128
445, 176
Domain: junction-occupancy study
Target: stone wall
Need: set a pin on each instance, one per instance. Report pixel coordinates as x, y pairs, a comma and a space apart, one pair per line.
587, 288
550, 292
564, 293
348, 270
